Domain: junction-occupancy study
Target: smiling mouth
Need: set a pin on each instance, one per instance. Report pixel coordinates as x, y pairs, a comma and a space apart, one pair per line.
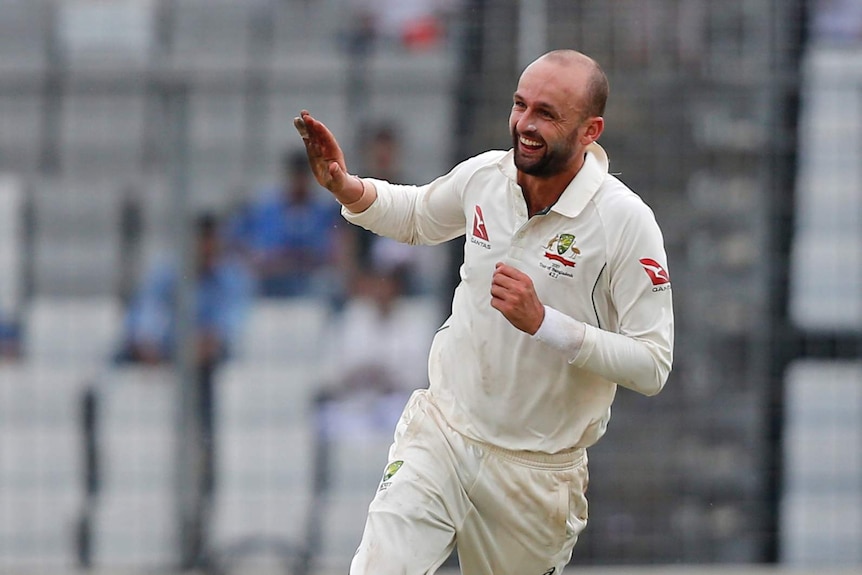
529, 144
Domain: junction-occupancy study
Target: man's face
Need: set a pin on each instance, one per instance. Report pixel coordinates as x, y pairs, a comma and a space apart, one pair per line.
547, 121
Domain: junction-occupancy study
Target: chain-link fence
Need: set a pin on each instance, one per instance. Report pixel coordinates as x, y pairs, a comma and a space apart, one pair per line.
122, 122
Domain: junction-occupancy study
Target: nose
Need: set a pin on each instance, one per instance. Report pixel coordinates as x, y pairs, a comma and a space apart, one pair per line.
525, 123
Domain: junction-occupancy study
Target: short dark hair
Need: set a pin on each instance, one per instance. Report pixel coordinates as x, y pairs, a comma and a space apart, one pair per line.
597, 86
597, 92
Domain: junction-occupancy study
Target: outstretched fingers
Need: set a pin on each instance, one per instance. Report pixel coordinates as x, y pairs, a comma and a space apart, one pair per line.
314, 131
324, 153
300, 126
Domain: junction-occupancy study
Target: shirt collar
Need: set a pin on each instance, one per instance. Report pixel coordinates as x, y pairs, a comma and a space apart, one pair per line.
582, 187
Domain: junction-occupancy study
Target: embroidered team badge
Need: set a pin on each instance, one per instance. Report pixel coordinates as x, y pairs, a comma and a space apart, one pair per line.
561, 248
391, 470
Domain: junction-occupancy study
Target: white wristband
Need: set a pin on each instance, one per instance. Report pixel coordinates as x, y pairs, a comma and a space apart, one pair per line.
561, 332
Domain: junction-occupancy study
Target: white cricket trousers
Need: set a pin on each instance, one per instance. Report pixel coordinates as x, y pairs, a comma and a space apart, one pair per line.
510, 512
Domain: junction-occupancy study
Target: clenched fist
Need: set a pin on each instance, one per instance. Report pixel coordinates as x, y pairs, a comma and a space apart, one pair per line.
513, 295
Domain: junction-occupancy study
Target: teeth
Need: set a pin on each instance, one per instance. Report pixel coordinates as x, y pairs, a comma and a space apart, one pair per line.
527, 142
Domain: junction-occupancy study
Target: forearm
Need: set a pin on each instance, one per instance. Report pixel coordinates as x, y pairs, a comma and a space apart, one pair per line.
640, 364
416, 215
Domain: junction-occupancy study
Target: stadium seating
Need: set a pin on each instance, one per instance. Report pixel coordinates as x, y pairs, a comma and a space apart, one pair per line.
21, 132
39, 532
114, 35
826, 262
135, 530
78, 332
264, 459
280, 331
827, 280
134, 515
821, 504
41, 466
293, 34
76, 247
102, 134
267, 499
356, 465
139, 410
11, 246
211, 33
24, 32
217, 137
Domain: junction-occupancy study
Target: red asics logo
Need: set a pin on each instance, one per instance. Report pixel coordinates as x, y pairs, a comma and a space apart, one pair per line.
655, 272
479, 230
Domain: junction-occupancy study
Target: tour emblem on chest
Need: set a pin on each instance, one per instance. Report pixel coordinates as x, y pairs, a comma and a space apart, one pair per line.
561, 253
561, 248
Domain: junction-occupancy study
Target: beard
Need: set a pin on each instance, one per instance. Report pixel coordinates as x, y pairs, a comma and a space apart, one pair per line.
553, 161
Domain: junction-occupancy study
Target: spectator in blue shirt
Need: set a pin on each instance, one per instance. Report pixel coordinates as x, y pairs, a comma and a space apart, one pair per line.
223, 294
222, 297
293, 238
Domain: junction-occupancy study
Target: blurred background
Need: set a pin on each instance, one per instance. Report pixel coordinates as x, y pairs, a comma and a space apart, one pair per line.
201, 364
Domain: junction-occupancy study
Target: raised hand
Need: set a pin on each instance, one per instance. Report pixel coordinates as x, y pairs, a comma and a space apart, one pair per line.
326, 159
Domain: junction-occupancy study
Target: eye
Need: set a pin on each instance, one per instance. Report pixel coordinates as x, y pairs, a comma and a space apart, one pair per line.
519, 105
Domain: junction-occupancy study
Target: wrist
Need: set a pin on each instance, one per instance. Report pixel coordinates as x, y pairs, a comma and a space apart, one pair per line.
366, 198
561, 332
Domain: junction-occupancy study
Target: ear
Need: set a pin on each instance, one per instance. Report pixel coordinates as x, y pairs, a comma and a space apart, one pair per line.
594, 128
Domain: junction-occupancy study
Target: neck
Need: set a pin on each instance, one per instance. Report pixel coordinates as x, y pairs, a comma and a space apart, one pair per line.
542, 192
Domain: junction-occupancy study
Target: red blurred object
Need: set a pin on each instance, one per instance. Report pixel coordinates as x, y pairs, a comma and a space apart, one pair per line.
422, 33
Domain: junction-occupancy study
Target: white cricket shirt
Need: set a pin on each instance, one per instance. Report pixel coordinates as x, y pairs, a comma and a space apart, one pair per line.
596, 255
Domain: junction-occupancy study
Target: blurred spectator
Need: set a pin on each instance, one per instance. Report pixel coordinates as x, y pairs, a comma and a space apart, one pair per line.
383, 152
381, 146
374, 379
222, 298
421, 266
294, 240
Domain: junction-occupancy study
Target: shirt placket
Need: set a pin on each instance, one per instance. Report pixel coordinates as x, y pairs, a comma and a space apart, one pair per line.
521, 234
